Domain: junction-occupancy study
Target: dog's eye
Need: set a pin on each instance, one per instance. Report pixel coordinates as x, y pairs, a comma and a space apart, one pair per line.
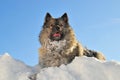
60, 24
51, 25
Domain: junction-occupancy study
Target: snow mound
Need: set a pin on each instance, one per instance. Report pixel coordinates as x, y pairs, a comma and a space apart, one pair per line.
81, 68
11, 69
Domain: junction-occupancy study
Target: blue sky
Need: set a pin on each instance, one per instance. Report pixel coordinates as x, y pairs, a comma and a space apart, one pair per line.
96, 24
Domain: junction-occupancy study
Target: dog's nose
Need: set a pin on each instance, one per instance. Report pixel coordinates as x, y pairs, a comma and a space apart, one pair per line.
57, 28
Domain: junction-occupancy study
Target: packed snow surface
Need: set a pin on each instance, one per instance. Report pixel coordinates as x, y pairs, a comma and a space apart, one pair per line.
81, 68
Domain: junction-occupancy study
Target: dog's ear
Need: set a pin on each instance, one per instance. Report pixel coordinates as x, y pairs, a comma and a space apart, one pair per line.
47, 17
65, 17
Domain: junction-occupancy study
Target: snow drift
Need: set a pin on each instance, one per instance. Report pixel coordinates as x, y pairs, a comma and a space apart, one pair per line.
81, 68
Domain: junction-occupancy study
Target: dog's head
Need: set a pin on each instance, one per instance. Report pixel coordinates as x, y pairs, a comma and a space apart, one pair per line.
56, 26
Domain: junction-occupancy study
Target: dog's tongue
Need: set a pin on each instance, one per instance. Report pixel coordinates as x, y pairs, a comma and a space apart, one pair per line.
56, 35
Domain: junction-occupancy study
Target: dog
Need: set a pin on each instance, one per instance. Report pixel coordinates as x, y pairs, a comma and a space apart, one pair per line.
59, 44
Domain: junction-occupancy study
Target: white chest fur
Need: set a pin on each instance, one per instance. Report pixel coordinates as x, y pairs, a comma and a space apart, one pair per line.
56, 46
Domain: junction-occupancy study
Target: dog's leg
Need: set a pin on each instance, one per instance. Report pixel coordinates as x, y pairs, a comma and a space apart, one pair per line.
33, 77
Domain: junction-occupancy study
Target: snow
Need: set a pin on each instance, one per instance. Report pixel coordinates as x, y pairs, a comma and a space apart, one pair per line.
11, 69
81, 68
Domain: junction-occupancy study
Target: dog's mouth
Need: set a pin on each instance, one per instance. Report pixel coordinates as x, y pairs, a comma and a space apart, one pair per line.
56, 36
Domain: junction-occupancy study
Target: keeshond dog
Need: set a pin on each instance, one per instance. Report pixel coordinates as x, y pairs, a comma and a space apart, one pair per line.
59, 44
